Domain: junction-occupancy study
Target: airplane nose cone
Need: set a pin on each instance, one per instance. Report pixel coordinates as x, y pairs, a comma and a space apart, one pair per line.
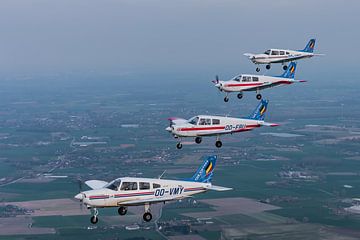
218, 85
169, 129
79, 196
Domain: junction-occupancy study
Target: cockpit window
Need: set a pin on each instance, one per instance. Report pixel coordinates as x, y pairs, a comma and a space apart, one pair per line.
267, 52
237, 78
205, 121
114, 185
193, 120
127, 186
274, 52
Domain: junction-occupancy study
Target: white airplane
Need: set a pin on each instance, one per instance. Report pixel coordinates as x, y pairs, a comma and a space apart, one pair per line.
205, 125
250, 82
282, 55
129, 191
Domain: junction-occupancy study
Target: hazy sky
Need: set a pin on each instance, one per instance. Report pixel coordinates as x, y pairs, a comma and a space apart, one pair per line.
173, 36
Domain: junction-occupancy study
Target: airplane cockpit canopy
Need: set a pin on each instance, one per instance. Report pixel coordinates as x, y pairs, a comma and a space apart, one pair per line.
114, 185
237, 78
193, 120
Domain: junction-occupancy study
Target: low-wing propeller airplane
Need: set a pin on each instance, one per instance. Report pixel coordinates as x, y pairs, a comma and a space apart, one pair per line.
282, 55
129, 191
205, 125
250, 82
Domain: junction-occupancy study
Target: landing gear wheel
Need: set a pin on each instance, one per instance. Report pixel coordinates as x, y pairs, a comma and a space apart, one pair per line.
218, 144
258, 69
258, 96
268, 66
147, 217
122, 210
226, 99
285, 67
94, 219
179, 146
240, 95
198, 140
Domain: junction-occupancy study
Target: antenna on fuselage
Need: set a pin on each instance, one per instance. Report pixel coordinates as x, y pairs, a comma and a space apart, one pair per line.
162, 174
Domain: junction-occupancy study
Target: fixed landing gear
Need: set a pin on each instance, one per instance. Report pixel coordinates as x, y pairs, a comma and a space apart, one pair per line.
94, 219
218, 143
198, 140
240, 95
226, 99
147, 215
257, 69
285, 67
179, 145
268, 66
122, 210
258, 96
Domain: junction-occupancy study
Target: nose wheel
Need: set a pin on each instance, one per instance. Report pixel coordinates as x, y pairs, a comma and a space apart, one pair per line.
268, 66
218, 144
122, 210
94, 219
179, 145
240, 95
258, 96
285, 67
198, 140
226, 99
257, 69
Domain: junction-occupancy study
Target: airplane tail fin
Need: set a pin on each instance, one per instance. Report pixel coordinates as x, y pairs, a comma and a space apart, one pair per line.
310, 46
290, 71
205, 172
259, 112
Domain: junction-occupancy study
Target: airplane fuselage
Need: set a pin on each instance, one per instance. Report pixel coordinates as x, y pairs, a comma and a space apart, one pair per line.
281, 56
252, 83
157, 190
223, 125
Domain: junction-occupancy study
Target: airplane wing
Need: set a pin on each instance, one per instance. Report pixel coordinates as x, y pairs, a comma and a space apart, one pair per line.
151, 200
95, 184
219, 188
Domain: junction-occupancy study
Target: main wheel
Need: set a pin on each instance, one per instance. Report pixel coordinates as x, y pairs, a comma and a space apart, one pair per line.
179, 146
198, 140
285, 67
240, 95
258, 69
147, 217
226, 99
218, 144
94, 219
122, 210
258, 96
268, 66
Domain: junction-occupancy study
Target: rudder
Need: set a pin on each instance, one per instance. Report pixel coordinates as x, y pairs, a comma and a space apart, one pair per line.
205, 172
310, 46
259, 112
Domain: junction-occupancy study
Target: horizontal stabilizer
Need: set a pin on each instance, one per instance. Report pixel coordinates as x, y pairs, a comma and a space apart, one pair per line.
267, 124
95, 184
219, 188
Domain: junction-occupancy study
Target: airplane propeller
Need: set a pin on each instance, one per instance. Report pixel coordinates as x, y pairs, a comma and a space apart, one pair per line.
80, 195
216, 81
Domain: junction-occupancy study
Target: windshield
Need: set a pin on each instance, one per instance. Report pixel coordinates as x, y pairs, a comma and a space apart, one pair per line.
114, 185
193, 120
237, 78
267, 52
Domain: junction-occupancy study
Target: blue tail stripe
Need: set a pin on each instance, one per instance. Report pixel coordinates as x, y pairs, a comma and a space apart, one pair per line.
290, 71
205, 172
259, 112
310, 46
